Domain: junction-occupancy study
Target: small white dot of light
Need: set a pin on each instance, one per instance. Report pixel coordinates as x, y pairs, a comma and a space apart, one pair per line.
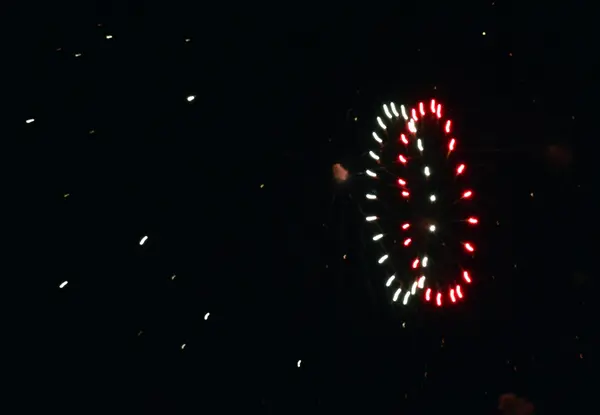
397, 294
371, 197
206, 316
183, 346
413, 290
262, 185
432, 198
77, 55
427, 171
29, 121
378, 237
371, 218
381, 124
483, 33
299, 363
63, 284
394, 109
383, 258
531, 194
403, 325
143, 240
109, 36
355, 118
373, 155
420, 144
431, 228
191, 98
370, 173
173, 276
389, 281
376, 137
424, 262
187, 40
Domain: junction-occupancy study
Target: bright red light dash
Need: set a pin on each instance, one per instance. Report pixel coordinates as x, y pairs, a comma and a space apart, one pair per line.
411, 126
452, 145
402, 159
459, 291
467, 277
473, 221
407, 241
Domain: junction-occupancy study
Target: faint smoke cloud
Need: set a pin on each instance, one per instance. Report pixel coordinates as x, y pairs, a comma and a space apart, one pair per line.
511, 404
340, 174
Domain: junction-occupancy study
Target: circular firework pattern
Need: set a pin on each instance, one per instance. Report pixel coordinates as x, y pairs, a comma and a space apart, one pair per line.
419, 205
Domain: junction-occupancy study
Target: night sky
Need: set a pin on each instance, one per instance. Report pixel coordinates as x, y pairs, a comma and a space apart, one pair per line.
213, 131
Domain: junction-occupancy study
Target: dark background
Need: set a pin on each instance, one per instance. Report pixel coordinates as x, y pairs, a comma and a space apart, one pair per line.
277, 89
